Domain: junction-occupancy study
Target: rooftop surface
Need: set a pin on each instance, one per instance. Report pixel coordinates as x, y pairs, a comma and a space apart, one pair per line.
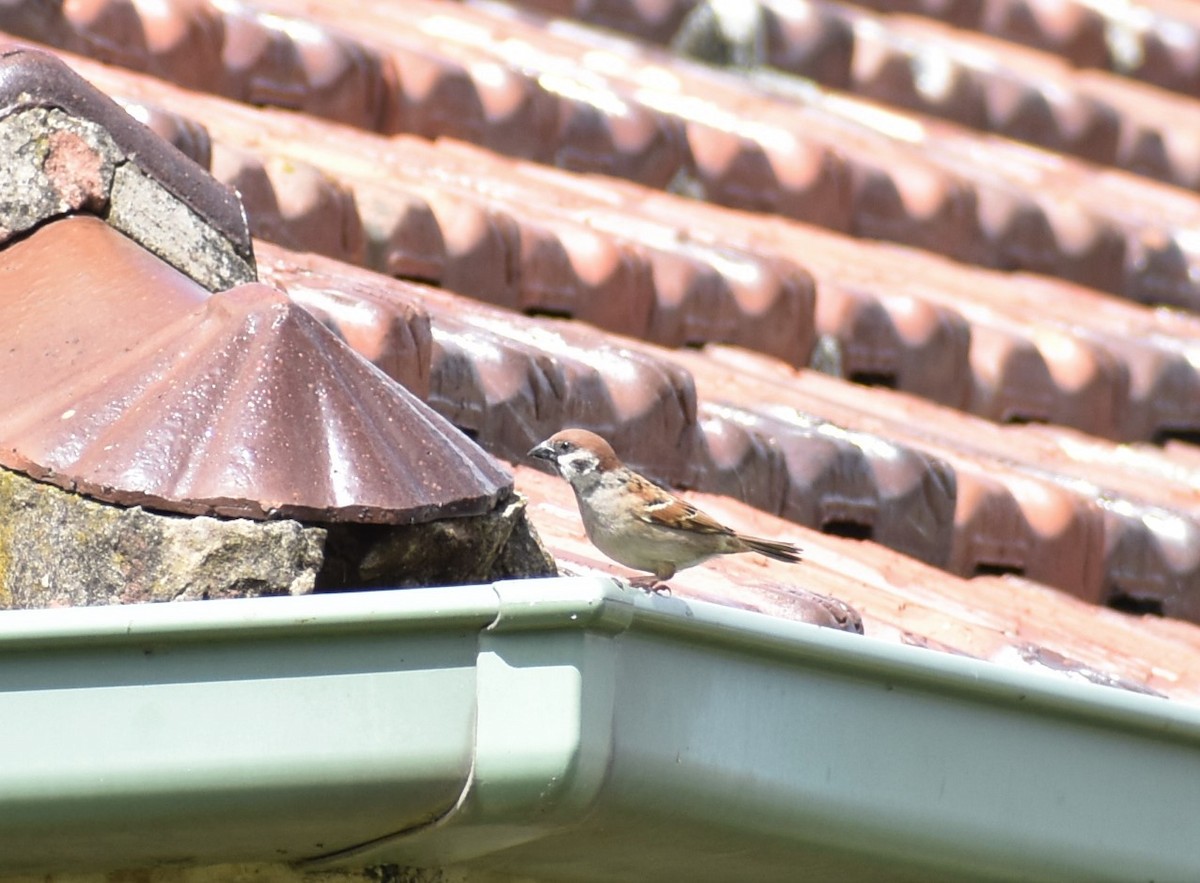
984, 243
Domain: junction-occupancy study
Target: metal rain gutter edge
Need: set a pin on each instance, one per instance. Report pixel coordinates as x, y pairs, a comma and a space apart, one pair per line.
556, 729
650, 714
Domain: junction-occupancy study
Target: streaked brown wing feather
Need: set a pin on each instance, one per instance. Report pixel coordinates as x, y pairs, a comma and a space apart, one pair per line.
668, 510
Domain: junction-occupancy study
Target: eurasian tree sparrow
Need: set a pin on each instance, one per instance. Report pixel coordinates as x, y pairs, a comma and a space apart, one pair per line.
637, 523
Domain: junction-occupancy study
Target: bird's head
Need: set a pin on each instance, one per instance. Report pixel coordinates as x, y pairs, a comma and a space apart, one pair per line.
581, 457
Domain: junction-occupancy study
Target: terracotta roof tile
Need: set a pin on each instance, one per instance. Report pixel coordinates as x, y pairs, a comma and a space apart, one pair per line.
180, 41
1074, 30
893, 326
1157, 41
974, 210
140, 388
809, 39
1005, 520
1063, 517
393, 334
1009, 620
183, 133
887, 338
293, 203
1110, 524
512, 383
561, 252
827, 477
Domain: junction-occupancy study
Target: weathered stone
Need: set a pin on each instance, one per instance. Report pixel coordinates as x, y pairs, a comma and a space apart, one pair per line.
58, 548
68, 148
58, 164
151, 215
500, 544
55, 164
523, 556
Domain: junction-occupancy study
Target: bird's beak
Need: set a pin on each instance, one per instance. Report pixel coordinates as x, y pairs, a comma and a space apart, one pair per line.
541, 452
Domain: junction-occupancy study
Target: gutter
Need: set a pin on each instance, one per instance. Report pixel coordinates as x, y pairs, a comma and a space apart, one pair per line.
568, 729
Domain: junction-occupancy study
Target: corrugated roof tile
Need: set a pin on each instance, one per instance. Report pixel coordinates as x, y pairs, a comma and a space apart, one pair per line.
140, 388
511, 383
1065, 508
294, 203
183, 133
837, 480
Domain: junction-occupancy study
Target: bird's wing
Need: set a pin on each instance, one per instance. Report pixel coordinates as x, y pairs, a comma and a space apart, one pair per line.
667, 510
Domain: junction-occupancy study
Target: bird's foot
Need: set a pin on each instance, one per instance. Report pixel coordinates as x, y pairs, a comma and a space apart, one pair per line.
650, 584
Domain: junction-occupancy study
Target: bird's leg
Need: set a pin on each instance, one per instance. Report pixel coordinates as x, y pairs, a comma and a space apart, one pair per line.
655, 583
647, 583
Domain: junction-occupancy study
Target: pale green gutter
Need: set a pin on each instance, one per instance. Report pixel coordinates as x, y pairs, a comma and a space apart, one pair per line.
569, 730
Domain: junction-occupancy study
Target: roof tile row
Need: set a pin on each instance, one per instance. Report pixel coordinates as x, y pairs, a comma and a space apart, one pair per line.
842, 163
1157, 41
983, 82
675, 272
922, 479
561, 252
1006, 619
1107, 522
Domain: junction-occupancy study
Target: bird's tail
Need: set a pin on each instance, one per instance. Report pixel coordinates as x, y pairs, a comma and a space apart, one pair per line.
776, 549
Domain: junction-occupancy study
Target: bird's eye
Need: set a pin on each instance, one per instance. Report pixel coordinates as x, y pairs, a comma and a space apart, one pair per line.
563, 446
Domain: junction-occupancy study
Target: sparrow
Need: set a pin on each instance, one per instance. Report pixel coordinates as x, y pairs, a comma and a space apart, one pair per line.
637, 523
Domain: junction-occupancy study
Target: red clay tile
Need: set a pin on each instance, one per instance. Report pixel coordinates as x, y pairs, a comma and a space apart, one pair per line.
393, 334
1155, 41
915, 203
1158, 349
510, 383
521, 118
291, 63
141, 389
982, 83
808, 40
184, 134
736, 460
1074, 30
1005, 520
150, 290
180, 41
1168, 50
505, 233
841, 481
294, 204
1158, 129
1093, 406
705, 292
438, 97
793, 178
1146, 547
898, 70
896, 340
804, 164
599, 131
403, 235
